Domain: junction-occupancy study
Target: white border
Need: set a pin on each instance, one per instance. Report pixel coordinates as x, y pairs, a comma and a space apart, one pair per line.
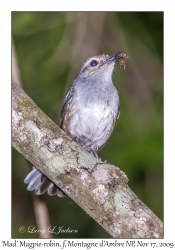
169, 93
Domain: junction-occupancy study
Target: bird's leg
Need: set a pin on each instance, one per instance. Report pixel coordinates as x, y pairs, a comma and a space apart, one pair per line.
94, 153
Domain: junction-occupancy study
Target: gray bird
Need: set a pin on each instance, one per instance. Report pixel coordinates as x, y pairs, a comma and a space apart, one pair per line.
88, 114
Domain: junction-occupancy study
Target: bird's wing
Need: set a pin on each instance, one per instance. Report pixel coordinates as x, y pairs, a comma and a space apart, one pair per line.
67, 102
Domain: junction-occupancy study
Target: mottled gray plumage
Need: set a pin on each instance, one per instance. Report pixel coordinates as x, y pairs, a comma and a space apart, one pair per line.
88, 114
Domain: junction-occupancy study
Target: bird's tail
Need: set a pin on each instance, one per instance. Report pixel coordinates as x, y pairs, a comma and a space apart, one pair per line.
40, 183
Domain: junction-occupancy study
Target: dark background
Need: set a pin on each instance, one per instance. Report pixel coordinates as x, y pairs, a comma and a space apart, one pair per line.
51, 47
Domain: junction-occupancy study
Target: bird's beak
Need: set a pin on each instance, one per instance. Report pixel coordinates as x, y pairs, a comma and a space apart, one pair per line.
114, 58
119, 57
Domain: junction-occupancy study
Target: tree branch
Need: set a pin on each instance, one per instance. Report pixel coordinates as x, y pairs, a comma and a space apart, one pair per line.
42, 216
100, 189
15, 67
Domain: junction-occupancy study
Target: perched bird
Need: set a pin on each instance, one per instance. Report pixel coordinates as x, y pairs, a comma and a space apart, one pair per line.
89, 112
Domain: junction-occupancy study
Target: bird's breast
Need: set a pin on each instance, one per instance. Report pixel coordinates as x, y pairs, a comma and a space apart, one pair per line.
94, 115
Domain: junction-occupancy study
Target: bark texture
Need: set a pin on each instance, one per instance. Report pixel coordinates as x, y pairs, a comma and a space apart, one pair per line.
99, 188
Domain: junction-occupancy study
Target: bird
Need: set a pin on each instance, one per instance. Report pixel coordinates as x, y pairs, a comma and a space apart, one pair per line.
89, 113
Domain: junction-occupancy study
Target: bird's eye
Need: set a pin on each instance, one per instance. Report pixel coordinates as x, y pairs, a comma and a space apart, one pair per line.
93, 63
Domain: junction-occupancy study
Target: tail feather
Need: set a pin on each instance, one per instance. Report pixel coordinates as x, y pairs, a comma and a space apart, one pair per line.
33, 179
42, 188
40, 183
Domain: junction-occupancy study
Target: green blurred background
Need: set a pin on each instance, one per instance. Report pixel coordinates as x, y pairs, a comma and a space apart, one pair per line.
51, 47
